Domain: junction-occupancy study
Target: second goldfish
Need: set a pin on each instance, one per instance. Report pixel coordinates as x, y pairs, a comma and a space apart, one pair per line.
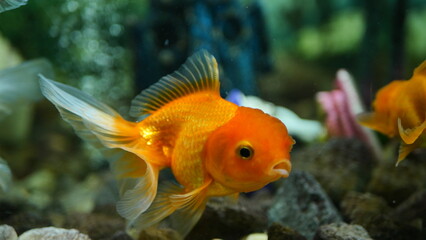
400, 110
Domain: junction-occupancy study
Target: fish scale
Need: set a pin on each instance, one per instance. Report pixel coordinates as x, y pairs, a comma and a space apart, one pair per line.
179, 120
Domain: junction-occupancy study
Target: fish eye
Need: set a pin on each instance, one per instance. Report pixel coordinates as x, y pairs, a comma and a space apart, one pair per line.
245, 152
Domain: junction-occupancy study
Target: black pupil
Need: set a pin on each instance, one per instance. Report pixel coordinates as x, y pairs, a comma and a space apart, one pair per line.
245, 152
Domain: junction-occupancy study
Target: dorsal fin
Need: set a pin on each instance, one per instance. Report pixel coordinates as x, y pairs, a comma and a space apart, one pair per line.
198, 73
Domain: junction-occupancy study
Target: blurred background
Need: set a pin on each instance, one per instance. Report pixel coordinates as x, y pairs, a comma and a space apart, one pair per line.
283, 51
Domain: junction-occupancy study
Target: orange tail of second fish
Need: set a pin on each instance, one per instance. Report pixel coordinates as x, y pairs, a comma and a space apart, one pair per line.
103, 127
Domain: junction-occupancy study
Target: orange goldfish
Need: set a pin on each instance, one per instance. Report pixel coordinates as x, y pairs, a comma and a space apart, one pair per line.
400, 110
213, 147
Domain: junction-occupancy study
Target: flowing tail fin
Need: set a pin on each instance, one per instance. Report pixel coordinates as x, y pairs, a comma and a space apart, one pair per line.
118, 138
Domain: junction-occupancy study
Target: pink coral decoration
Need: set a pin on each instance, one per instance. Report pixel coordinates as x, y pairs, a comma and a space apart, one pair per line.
341, 106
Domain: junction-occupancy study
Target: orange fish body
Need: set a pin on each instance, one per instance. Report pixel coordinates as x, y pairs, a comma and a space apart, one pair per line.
400, 110
170, 128
213, 147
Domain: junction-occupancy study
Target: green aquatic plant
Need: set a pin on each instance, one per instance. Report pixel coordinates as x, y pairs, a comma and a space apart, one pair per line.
89, 36
5, 176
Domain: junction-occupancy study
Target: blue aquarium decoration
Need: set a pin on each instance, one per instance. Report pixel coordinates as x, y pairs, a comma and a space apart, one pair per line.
234, 33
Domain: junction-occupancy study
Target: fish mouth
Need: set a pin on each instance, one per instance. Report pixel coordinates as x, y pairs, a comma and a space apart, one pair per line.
282, 168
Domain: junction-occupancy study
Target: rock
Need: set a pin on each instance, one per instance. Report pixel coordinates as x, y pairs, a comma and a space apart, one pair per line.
373, 213
396, 184
341, 231
227, 220
413, 212
52, 233
8, 209
412, 208
359, 208
256, 236
159, 234
278, 232
302, 204
97, 226
340, 165
7, 233
121, 235
26, 220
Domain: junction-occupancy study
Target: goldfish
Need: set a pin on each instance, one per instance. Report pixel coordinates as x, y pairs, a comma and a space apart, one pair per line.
213, 147
400, 111
11, 4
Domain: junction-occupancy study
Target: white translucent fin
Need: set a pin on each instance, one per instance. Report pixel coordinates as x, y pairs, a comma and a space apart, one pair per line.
137, 200
107, 130
160, 208
11, 4
187, 207
185, 218
78, 107
198, 73
21, 82
410, 135
125, 164
5, 176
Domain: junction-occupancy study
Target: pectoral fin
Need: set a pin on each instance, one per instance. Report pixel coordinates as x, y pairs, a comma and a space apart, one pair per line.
185, 218
138, 198
404, 150
409, 138
410, 135
186, 208
375, 121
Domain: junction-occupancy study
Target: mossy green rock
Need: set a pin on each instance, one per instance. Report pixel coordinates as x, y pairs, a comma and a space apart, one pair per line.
373, 213
279, 232
340, 165
396, 184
